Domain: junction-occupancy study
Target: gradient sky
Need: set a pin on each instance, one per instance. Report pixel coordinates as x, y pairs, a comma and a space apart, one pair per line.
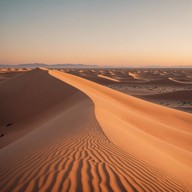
104, 32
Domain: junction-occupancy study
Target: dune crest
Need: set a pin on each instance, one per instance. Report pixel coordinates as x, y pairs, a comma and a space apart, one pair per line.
182, 82
109, 78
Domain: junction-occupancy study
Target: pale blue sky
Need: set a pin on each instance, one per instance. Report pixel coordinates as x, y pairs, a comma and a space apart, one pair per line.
110, 32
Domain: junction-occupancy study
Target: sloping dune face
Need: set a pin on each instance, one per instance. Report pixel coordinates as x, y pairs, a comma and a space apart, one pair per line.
28, 100
158, 135
184, 94
68, 149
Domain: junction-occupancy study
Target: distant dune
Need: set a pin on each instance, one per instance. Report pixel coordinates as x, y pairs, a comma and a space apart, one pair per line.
109, 78
166, 81
180, 81
174, 95
66, 133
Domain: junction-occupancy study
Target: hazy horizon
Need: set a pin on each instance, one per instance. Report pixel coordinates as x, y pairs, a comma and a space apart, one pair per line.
123, 33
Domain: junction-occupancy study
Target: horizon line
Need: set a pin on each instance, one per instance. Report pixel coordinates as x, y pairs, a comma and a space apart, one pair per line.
100, 66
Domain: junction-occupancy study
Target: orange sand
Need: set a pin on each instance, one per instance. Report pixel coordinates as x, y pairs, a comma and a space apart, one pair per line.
70, 134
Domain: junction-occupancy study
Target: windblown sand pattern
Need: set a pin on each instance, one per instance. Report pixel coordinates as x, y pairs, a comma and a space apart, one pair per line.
71, 149
84, 161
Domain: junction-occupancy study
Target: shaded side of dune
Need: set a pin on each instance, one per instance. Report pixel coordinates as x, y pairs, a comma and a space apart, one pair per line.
28, 100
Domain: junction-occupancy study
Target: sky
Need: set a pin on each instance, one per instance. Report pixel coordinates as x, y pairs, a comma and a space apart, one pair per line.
102, 32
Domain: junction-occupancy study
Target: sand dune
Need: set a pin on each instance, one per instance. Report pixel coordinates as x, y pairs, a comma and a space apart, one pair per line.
182, 82
26, 97
86, 137
162, 131
108, 78
166, 81
135, 76
175, 95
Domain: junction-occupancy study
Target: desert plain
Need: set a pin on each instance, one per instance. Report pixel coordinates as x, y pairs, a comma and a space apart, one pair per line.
95, 130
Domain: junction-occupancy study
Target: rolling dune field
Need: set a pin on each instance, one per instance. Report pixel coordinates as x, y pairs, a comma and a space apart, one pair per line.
67, 130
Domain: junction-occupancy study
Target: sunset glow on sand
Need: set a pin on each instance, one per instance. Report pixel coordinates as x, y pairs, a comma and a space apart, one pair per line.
96, 96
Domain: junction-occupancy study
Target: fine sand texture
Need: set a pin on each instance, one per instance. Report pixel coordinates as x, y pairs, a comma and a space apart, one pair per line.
60, 132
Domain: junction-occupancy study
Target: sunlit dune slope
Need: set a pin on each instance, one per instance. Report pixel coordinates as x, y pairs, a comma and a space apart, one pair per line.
181, 81
157, 134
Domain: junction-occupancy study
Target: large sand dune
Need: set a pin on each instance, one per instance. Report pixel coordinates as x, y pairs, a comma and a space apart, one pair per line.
70, 134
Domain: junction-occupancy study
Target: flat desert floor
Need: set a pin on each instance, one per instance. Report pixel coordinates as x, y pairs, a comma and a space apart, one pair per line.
95, 130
